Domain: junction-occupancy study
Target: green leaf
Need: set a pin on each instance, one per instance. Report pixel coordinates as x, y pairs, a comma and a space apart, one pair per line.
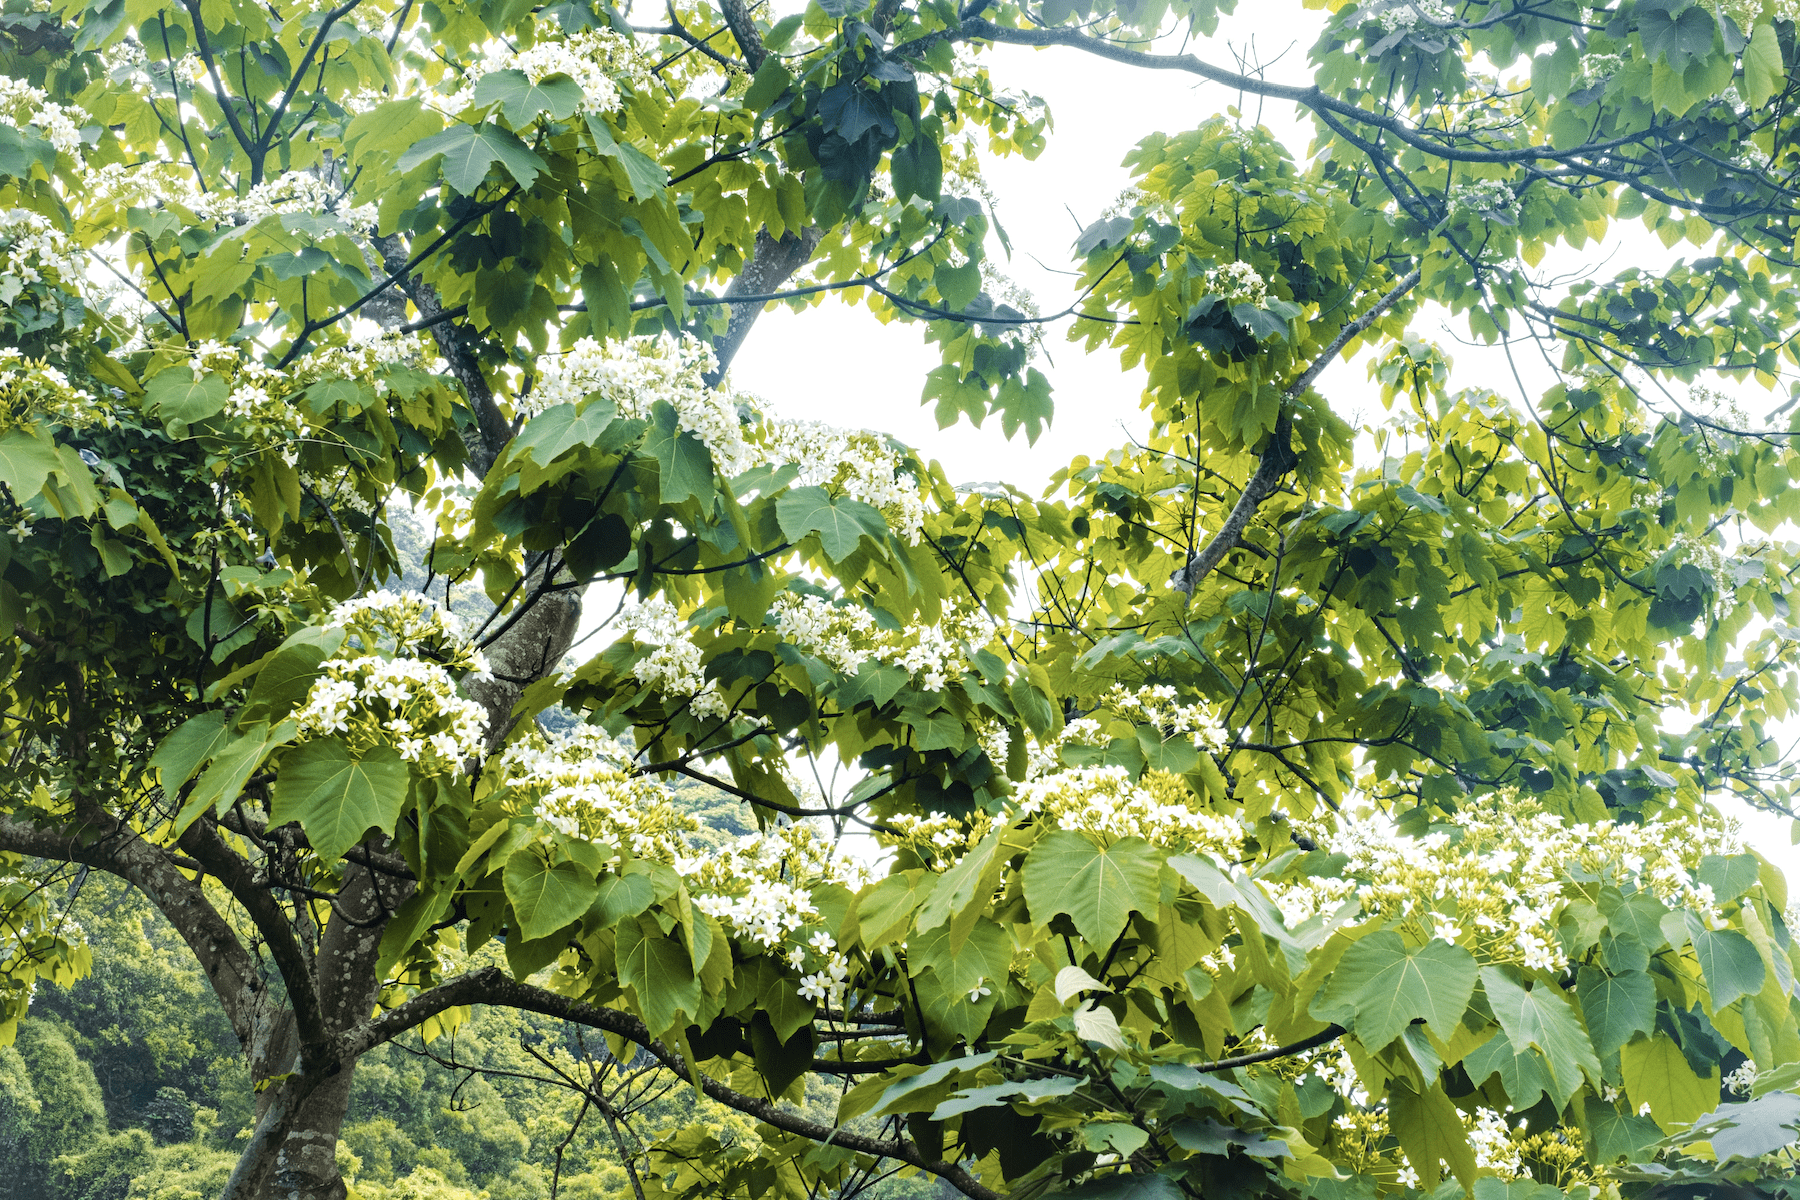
523, 100
687, 469
960, 885
781, 33
290, 671
1730, 963
1214, 1137
181, 753
918, 169
1619, 1135
1522, 1074
1096, 1024
643, 175
26, 461
561, 428
840, 522
623, 896
1034, 707
997, 1094
232, 767
1667, 91
958, 285
1127, 1185
1542, 1017
1729, 875
1657, 1073
1098, 887
175, 395
1429, 1130
1749, 1130
1764, 72
1617, 1007
949, 974
907, 1094
659, 973
546, 897
1380, 987
337, 797
469, 150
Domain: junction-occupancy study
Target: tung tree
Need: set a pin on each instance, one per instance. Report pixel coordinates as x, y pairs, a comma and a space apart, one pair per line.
1257, 816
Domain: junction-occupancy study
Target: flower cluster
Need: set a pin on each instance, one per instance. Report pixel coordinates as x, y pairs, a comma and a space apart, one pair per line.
856, 463
1363, 1142
1598, 68
140, 185
598, 60
1409, 14
1237, 283
286, 194
409, 623
31, 389
1159, 808
264, 403
1486, 198
32, 250
846, 635
392, 686
27, 108
636, 374
938, 839
155, 185
582, 786
836, 634
1158, 705
674, 665
760, 887
404, 702
831, 981
261, 415
1497, 886
1746, 13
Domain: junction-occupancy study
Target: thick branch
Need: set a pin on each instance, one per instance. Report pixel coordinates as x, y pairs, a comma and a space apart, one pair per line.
203, 842
493, 986
495, 429
1278, 456
1328, 1034
772, 263
743, 28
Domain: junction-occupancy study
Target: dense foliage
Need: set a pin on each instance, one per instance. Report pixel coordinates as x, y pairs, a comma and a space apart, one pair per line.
1259, 814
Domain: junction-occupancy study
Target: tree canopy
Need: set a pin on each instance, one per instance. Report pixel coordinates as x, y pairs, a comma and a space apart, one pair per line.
1273, 807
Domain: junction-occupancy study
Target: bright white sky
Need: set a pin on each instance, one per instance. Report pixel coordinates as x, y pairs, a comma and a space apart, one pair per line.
836, 363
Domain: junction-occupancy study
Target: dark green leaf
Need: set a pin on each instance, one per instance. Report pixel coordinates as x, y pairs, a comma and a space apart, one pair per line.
839, 521
469, 150
338, 797
546, 897
1098, 887
1380, 986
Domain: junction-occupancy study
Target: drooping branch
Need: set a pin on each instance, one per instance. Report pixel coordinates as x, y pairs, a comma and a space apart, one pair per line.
1312, 97
492, 986
1278, 457
214, 944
